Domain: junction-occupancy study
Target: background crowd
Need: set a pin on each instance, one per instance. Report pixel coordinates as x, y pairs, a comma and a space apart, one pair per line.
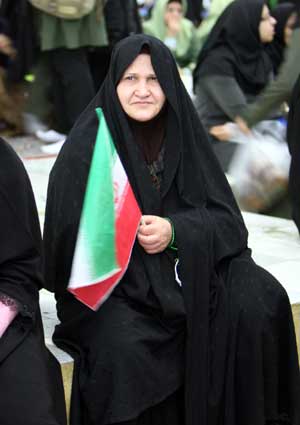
240, 77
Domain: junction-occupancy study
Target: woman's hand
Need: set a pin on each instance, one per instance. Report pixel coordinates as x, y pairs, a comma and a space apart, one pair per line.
154, 233
221, 132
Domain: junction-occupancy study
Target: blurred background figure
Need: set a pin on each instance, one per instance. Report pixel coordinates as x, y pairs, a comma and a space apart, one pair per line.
232, 69
64, 66
18, 53
10, 115
287, 68
286, 17
168, 23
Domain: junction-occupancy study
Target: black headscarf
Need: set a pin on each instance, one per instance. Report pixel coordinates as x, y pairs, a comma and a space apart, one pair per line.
281, 13
234, 49
210, 234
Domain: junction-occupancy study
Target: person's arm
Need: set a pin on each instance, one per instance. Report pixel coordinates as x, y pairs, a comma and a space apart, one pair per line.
226, 93
279, 90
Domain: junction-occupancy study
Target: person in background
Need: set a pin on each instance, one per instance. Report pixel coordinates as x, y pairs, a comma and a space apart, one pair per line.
285, 55
278, 90
232, 69
286, 18
64, 47
10, 111
168, 24
233, 66
208, 340
30, 378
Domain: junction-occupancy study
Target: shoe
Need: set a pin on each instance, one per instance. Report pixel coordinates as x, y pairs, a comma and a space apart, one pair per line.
32, 124
54, 148
50, 136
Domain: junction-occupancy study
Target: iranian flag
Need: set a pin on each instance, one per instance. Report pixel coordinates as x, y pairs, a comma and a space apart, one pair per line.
108, 225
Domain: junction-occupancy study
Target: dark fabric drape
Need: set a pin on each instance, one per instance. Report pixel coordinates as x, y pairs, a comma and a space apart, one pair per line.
293, 132
27, 370
281, 13
234, 49
229, 302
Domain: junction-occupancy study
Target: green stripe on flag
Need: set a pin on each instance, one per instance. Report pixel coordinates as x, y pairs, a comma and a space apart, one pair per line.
98, 215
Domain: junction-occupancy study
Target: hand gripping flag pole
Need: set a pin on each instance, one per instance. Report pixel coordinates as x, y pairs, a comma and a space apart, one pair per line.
108, 225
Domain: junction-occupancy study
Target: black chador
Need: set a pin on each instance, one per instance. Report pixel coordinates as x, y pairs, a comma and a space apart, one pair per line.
222, 346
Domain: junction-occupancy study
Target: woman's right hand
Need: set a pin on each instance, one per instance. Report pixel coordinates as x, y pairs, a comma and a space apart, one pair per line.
154, 233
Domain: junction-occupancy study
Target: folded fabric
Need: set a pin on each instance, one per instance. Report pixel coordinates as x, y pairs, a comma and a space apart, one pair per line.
8, 311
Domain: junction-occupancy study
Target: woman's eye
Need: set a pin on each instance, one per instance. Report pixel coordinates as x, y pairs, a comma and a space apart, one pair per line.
129, 78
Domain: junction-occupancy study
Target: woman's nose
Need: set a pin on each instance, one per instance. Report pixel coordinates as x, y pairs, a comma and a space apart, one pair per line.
142, 89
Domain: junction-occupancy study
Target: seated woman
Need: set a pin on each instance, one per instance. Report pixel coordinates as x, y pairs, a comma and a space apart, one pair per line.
168, 23
233, 66
208, 341
30, 380
232, 70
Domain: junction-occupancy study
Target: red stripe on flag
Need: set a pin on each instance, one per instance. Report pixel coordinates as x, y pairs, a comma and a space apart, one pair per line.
127, 223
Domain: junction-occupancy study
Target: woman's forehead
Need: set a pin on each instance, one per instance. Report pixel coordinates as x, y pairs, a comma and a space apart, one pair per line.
141, 64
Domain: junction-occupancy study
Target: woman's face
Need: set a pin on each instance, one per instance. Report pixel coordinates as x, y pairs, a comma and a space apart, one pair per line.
289, 27
266, 27
173, 10
139, 91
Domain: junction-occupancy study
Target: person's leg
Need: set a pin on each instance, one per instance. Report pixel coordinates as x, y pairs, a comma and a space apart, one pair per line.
73, 85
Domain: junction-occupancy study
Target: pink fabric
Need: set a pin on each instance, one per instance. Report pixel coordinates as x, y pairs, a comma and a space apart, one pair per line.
7, 315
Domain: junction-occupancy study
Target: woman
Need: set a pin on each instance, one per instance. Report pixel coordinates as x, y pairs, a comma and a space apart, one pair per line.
28, 373
168, 23
159, 351
286, 18
233, 66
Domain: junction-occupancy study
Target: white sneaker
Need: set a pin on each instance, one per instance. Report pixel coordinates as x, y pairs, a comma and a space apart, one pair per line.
54, 148
32, 124
50, 136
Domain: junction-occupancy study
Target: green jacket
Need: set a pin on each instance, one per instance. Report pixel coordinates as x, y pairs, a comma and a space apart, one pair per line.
186, 49
89, 31
280, 89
